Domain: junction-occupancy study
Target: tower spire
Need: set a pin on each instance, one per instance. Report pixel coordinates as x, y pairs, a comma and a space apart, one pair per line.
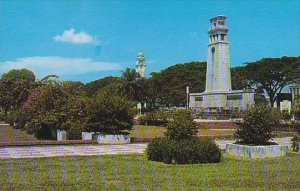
140, 64
218, 76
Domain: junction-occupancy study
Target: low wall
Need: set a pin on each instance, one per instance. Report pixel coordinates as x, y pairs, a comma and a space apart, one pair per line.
111, 139
255, 152
217, 125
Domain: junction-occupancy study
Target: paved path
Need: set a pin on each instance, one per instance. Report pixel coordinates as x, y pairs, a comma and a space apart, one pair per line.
64, 150
86, 150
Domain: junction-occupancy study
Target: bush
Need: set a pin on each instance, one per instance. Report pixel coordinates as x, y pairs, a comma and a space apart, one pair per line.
157, 119
257, 124
182, 126
54, 106
295, 143
191, 151
180, 145
110, 114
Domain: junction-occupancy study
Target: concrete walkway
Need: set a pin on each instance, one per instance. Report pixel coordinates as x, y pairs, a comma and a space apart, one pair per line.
66, 150
88, 150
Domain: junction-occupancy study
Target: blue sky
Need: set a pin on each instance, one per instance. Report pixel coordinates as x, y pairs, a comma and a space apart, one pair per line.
87, 40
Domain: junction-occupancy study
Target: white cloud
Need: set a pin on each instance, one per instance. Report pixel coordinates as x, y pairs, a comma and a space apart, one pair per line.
77, 38
60, 66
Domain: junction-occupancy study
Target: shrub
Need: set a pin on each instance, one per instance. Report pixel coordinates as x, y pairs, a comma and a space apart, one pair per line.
110, 114
157, 119
156, 149
180, 146
182, 126
257, 124
191, 151
54, 106
295, 143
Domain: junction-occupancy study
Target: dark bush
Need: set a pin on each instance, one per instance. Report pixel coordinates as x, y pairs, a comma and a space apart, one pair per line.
110, 114
295, 143
157, 148
180, 146
158, 119
191, 151
182, 126
257, 125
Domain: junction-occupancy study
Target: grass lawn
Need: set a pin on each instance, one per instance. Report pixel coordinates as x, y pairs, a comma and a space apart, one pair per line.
135, 172
9, 134
155, 131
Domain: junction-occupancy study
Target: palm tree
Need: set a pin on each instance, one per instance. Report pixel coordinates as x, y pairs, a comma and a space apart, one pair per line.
129, 83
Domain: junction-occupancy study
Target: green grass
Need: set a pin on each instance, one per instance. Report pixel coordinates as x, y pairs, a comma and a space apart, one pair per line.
156, 131
9, 134
135, 172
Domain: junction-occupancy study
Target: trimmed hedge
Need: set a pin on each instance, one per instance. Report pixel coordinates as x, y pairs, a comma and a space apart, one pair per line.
191, 151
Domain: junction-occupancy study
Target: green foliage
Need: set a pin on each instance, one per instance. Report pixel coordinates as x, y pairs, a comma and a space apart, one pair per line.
15, 87
110, 83
46, 110
180, 146
55, 106
169, 85
19, 75
295, 143
257, 124
110, 114
271, 75
151, 118
238, 78
76, 109
260, 99
130, 83
188, 151
296, 110
182, 126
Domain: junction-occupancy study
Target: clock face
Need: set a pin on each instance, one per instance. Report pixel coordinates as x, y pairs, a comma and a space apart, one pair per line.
213, 50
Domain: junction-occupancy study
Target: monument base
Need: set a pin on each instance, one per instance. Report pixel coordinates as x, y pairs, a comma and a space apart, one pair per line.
221, 100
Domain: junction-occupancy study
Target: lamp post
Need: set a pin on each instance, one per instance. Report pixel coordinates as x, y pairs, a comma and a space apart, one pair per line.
187, 97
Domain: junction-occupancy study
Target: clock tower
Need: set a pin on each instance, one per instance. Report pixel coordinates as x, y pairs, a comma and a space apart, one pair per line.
140, 64
218, 76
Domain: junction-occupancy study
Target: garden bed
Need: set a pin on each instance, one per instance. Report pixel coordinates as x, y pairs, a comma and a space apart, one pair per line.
255, 152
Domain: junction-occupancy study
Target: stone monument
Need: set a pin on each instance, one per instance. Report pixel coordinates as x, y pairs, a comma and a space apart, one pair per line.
218, 94
140, 64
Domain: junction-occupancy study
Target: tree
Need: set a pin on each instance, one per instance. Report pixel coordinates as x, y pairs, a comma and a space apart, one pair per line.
109, 114
271, 75
169, 85
130, 83
76, 109
46, 108
52, 106
257, 124
110, 83
15, 87
19, 75
182, 127
239, 78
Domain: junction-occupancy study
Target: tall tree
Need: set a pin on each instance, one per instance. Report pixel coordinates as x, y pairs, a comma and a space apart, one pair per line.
239, 78
271, 75
15, 87
130, 83
169, 85
110, 83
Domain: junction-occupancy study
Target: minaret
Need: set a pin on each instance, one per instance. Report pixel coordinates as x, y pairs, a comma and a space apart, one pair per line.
218, 78
140, 64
